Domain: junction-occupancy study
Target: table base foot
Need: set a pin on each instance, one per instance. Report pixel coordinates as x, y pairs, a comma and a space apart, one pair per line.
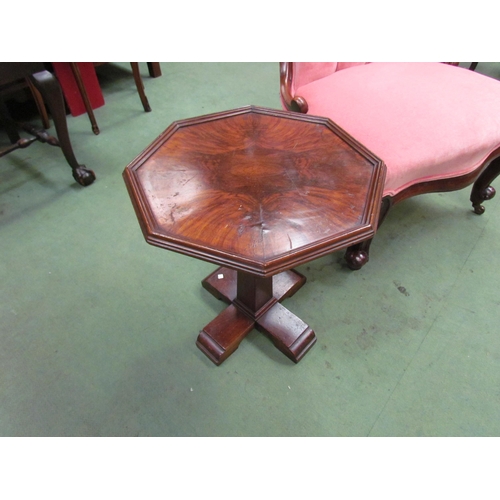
288, 332
222, 336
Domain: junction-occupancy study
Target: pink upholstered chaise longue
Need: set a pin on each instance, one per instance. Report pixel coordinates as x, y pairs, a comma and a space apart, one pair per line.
436, 126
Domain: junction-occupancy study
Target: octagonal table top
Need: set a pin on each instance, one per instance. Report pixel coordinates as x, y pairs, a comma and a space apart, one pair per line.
256, 189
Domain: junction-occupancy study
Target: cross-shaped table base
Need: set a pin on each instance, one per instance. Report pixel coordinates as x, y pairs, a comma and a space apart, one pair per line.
254, 302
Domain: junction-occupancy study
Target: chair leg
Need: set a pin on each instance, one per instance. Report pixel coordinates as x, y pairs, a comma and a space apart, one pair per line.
39, 104
140, 86
154, 69
51, 91
85, 97
358, 255
481, 190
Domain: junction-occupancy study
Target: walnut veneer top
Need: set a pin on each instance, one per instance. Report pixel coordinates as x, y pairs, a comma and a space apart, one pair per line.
255, 189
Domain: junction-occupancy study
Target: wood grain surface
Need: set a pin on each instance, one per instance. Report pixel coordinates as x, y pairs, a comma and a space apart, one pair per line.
255, 189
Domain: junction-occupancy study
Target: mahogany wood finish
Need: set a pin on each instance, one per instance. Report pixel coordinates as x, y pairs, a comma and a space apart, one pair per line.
154, 69
357, 255
254, 303
257, 191
48, 87
140, 86
293, 103
39, 104
83, 92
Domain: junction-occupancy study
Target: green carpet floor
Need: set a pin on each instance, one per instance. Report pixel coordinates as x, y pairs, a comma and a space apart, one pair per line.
98, 328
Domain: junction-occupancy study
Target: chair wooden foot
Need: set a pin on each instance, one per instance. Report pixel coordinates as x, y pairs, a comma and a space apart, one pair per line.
86, 101
154, 69
356, 256
50, 90
481, 190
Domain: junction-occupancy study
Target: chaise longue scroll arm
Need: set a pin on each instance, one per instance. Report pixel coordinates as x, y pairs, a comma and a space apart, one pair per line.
292, 103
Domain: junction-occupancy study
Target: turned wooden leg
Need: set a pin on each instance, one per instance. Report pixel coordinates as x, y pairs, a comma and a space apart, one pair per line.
12, 131
140, 86
50, 90
481, 190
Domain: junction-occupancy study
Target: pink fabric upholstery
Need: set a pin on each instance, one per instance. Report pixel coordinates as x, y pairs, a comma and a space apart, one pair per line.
307, 72
425, 120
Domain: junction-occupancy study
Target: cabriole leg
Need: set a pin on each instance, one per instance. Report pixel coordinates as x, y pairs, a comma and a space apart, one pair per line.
49, 87
481, 190
358, 255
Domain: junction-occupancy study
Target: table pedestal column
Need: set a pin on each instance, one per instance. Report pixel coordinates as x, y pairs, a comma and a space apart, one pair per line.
254, 302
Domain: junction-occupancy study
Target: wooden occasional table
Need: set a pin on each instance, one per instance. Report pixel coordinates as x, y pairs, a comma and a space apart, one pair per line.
256, 191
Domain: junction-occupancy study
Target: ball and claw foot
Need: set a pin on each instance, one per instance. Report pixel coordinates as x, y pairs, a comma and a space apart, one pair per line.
486, 194
83, 175
356, 259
